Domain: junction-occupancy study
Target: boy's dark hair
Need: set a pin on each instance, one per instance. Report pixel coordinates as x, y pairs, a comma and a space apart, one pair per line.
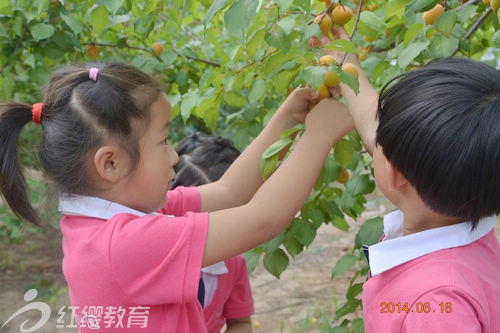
440, 127
78, 115
203, 159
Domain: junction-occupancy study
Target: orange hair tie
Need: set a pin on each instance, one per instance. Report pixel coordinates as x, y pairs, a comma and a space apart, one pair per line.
37, 112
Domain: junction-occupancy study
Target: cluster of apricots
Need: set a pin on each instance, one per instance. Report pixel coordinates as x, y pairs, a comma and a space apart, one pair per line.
337, 14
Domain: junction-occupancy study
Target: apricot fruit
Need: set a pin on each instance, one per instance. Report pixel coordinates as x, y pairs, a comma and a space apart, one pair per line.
341, 15
350, 68
433, 14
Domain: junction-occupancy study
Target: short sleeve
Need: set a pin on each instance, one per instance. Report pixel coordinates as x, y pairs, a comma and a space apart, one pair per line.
445, 309
240, 302
157, 259
182, 200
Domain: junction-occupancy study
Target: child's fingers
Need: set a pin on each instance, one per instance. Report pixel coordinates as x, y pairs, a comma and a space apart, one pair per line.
306, 93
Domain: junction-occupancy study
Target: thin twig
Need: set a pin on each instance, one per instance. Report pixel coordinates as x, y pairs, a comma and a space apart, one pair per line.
475, 26
208, 62
353, 29
470, 2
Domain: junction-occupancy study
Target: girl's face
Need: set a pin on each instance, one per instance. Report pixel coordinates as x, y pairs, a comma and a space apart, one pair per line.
151, 180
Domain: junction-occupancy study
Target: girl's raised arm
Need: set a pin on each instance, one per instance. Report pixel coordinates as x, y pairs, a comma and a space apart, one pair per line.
240, 182
236, 230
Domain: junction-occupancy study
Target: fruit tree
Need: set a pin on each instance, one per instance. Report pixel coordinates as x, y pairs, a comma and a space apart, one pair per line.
226, 66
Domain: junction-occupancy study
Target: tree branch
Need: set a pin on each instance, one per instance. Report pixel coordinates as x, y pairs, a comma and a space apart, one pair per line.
470, 2
475, 26
208, 62
353, 29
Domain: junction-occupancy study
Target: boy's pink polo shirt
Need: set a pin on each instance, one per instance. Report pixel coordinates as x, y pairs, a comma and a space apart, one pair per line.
440, 280
131, 272
232, 297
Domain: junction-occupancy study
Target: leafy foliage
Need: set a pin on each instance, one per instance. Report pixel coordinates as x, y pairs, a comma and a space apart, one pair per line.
226, 65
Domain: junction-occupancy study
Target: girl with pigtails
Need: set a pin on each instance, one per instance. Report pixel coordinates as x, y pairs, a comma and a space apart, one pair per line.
128, 240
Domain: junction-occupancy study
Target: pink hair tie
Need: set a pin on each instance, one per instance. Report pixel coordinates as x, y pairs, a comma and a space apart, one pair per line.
93, 71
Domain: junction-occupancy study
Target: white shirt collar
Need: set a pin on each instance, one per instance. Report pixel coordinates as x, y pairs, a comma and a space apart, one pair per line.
103, 209
397, 249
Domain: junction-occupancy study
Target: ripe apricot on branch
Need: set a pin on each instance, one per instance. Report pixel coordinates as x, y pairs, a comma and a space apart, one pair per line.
323, 91
433, 14
327, 60
157, 48
325, 23
351, 69
92, 51
344, 176
331, 79
341, 15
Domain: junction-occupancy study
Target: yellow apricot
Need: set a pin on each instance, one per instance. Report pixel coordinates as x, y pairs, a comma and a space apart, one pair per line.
433, 14
323, 91
331, 79
495, 4
327, 60
325, 23
350, 68
341, 15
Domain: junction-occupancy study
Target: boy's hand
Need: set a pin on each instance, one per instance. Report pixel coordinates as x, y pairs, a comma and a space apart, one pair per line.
329, 117
295, 107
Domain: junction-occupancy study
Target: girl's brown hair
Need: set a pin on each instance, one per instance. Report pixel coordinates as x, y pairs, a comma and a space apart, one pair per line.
79, 114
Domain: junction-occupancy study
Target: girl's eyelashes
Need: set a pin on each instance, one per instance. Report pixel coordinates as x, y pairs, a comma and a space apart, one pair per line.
165, 142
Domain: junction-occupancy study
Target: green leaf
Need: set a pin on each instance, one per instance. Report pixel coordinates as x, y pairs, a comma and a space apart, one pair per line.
276, 147
292, 245
72, 23
339, 329
395, 7
371, 20
412, 31
420, 5
258, 90
283, 80
357, 326
441, 46
340, 223
370, 232
234, 99
343, 265
446, 22
268, 165
303, 231
113, 5
410, 53
274, 243
278, 39
360, 184
313, 75
354, 290
99, 19
466, 12
275, 61
316, 216
239, 16
189, 101
349, 79
216, 6
496, 39
287, 24
42, 31
304, 4
252, 258
341, 45
276, 262
343, 152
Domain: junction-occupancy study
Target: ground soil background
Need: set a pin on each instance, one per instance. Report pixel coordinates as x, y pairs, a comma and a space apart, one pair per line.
302, 300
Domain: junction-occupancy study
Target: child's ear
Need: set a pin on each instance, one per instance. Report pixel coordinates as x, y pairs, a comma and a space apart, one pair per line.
395, 179
111, 163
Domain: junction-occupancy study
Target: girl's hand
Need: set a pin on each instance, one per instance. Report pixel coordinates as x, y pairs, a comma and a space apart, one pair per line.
329, 117
295, 107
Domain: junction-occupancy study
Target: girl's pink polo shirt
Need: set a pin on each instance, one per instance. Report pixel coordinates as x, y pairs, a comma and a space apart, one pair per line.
132, 272
440, 280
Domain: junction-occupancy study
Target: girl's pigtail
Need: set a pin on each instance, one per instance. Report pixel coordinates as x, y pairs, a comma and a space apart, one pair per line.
13, 186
